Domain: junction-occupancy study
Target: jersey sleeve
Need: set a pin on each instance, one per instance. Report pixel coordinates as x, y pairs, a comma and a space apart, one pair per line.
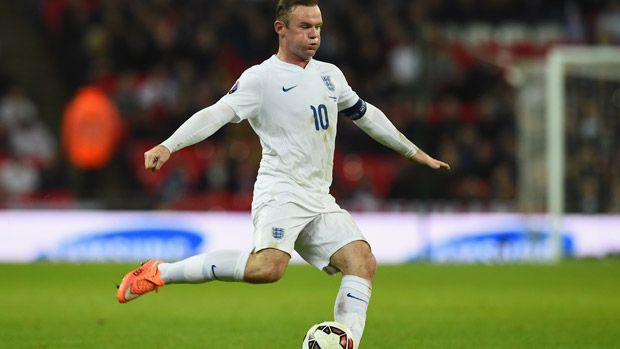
347, 97
245, 97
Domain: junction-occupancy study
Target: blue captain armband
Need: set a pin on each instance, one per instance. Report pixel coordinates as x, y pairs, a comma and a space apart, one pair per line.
356, 111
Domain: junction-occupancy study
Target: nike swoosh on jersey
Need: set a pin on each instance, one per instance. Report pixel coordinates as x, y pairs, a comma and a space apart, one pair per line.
284, 89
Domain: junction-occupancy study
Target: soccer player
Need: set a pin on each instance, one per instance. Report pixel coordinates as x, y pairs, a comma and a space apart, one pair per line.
292, 102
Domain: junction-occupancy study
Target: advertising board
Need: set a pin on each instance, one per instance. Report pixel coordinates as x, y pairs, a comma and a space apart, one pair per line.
395, 237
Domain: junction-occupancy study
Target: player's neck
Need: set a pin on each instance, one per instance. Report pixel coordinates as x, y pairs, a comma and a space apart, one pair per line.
290, 58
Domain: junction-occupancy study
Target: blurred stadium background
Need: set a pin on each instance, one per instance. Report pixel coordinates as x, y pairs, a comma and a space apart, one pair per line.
86, 86
522, 98
437, 68
441, 70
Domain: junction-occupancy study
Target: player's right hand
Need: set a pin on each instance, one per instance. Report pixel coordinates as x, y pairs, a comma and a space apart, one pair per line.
156, 157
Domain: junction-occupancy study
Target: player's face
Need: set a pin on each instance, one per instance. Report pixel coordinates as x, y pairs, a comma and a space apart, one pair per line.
302, 37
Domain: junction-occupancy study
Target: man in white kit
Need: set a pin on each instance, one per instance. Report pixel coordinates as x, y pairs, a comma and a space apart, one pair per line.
292, 102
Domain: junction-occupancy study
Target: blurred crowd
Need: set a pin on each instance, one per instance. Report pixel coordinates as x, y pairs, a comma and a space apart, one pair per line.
437, 68
28, 148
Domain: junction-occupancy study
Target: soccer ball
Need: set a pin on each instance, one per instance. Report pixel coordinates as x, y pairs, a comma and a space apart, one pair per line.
328, 335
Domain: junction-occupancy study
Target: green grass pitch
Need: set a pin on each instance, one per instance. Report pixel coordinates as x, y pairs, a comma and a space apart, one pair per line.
574, 304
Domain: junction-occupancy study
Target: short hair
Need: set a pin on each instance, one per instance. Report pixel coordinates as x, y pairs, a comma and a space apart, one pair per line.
284, 8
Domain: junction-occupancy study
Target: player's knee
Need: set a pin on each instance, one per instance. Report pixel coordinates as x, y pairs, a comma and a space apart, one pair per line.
264, 275
366, 266
356, 259
371, 265
265, 267
274, 274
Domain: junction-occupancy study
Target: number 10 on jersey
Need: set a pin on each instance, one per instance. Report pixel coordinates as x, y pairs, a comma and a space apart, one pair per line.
321, 119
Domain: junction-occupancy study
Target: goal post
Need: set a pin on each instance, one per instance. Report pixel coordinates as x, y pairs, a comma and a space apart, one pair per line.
568, 121
595, 63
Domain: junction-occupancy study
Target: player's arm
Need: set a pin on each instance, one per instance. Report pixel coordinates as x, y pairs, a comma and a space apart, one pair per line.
374, 122
197, 128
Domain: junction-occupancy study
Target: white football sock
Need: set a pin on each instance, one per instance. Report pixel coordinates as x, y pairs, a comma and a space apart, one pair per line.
352, 303
223, 265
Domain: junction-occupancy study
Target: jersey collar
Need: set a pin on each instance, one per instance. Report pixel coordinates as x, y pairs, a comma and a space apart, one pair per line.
288, 66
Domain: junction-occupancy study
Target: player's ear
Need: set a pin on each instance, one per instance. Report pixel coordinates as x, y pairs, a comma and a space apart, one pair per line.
279, 26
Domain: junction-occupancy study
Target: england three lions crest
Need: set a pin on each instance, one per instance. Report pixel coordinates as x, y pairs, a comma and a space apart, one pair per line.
328, 82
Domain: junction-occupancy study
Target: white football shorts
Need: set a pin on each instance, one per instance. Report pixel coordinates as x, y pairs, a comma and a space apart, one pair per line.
315, 236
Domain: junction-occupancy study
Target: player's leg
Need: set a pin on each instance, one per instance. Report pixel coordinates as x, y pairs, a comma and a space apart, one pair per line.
334, 243
264, 266
275, 231
217, 265
356, 259
276, 228
357, 264
224, 265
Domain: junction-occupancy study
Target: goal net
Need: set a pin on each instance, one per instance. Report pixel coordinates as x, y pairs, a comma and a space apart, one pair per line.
569, 135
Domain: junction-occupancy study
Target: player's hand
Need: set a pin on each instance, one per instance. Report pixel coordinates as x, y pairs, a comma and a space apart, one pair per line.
156, 157
425, 159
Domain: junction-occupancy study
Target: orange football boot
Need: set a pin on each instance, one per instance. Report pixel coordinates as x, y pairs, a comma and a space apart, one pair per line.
145, 278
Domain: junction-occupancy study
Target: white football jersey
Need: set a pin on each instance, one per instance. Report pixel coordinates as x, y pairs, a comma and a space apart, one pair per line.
294, 112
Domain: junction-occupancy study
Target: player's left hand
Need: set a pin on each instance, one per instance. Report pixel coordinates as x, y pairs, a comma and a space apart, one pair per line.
425, 159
